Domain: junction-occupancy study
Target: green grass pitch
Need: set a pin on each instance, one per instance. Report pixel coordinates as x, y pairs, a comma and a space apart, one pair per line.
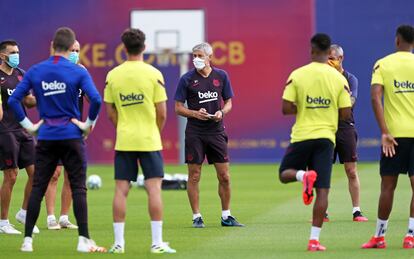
277, 222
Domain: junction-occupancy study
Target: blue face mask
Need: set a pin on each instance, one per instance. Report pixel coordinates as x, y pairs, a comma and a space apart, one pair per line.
13, 60
74, 57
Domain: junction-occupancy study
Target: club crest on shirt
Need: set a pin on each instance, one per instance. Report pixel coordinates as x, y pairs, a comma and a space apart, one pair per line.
216, 82
195, 83
19, 77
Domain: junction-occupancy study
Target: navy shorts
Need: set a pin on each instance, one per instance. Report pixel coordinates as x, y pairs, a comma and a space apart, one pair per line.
17, 150
346, 145
214, 147
403, 160
126, 165
315, 154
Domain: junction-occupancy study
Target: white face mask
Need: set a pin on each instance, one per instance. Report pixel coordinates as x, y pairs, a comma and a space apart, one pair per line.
199, 63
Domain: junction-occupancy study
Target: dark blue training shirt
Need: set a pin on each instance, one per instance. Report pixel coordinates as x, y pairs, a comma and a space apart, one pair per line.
56, 83
204, 92
353, 87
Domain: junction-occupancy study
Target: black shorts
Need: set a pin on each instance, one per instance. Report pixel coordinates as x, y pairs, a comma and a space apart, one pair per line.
346, 145
197, 147
17, 150
315, 154
72, 154
403, 160
126, 165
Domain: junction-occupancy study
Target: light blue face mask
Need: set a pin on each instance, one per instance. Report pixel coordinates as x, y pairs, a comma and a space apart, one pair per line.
13, 60
74, 57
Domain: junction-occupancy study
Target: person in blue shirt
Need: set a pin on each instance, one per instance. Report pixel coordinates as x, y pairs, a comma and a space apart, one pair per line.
66, 196
55, 83
208, 93
346, 136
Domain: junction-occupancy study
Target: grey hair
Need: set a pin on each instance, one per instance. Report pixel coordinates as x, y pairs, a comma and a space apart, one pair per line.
205, 47
338, 49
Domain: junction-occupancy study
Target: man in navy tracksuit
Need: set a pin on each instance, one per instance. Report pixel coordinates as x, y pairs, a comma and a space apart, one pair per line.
55, 83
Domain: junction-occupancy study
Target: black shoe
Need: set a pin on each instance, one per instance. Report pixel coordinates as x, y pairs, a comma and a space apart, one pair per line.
326, 218
230, 222
198, 223
358, 217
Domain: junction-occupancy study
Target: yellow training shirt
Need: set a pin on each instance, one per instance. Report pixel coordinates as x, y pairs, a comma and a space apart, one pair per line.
395, 73
134, 87
318, 90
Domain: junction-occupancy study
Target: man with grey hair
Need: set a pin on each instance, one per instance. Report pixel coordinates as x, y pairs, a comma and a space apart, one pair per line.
346, 136
204, 88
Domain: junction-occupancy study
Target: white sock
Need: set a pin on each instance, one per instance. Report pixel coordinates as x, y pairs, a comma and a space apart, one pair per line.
225, 214
4, 222
119, 233
156, 230
315, 232
22, 213
51, 218
381, 228
355, 209
196, 215
63, 218
299, 175
410, 227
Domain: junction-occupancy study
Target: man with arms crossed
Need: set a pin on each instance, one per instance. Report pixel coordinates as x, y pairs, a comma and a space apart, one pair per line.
135, 100
55, 83
346, 136
204, 88
393, 82
314, 93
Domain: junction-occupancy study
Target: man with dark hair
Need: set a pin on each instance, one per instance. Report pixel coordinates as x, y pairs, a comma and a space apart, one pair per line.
17, 147
314, 93
135, 100
56, 83
346, 136
133, 40
66, 196
208, 93
393, 82
64, 38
